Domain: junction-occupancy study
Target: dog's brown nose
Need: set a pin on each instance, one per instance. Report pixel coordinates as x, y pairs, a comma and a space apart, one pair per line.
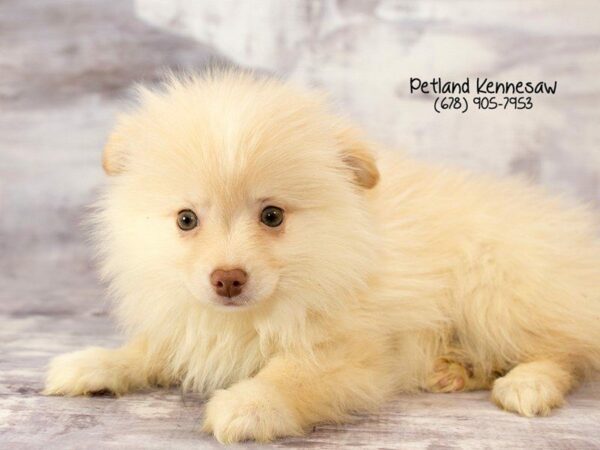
228, 283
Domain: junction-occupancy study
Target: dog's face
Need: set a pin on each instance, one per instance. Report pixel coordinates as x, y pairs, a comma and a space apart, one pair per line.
234, 192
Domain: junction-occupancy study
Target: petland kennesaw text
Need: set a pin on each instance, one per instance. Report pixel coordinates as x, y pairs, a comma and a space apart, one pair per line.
482, 86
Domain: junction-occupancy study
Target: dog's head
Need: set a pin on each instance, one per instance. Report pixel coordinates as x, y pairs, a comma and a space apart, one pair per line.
236, 192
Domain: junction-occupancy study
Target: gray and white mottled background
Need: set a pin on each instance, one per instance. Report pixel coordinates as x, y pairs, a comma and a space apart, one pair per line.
65, 67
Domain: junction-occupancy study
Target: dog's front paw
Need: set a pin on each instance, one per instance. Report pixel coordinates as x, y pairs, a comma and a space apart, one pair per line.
534, 395
250, 410
84, 372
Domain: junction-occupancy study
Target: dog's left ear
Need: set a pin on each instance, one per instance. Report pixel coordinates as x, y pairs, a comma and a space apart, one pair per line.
359, 158
113, 157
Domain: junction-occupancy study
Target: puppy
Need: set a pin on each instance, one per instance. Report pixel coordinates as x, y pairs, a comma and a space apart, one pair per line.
259, 255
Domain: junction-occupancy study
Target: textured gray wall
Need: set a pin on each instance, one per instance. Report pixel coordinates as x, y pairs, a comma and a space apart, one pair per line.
65, 69
364, 53
66, 65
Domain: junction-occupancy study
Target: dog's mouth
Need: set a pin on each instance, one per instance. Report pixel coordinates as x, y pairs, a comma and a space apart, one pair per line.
232, 303
251, 296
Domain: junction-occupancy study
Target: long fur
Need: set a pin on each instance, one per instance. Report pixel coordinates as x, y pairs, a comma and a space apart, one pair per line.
389, 275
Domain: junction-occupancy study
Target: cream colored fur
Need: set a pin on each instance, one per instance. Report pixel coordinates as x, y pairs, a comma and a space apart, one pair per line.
387, 276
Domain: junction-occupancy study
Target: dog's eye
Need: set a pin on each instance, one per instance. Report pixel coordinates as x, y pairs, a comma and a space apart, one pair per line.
187, 220
272, 216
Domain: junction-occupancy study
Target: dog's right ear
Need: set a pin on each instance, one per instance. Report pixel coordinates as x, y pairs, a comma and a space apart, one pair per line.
113, 157
358, 157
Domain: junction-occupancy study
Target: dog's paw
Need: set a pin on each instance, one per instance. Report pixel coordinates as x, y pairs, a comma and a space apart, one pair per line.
527, 394
249, 410
85, 372
447, 376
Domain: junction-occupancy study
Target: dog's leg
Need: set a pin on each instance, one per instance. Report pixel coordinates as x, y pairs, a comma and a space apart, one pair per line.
533, 388
451, 375
448, 376
289, 396
99, 370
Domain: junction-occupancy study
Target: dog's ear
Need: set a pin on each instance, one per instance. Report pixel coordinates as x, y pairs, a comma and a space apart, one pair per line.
358, 157
113, 157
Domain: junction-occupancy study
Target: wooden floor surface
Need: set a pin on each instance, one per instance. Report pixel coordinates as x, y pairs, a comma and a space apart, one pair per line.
167, 419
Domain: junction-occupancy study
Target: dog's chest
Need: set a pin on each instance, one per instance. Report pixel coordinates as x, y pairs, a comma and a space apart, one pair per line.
217, 357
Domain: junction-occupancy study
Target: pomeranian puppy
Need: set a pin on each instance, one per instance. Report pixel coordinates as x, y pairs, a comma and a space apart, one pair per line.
263, 253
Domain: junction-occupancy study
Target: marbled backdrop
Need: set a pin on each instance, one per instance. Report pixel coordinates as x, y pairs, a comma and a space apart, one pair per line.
65, 69
364, 52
